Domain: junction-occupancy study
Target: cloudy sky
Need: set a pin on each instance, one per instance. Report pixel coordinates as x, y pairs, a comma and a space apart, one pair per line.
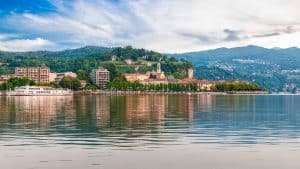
162, 25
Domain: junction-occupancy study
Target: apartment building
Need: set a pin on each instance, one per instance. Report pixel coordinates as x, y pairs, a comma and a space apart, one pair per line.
100, 76
37, 74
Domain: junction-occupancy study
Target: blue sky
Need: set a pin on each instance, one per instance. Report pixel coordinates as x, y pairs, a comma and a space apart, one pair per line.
165, 26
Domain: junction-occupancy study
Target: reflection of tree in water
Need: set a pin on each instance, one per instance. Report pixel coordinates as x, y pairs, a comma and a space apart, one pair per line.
130, 111
33, 111
166, 117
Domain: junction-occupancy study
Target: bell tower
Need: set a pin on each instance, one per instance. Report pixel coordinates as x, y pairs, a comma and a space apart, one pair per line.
190, 73
158, 68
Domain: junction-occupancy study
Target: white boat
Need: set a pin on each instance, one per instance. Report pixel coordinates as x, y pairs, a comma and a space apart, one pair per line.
38, 91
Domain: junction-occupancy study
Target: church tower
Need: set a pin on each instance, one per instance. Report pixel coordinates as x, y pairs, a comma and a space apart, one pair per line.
190, 73
158, 68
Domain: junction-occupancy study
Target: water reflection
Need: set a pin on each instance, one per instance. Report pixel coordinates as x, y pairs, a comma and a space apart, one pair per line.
149, 120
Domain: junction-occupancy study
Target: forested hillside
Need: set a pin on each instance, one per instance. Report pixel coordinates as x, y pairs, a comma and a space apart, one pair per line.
85, 59
270, 68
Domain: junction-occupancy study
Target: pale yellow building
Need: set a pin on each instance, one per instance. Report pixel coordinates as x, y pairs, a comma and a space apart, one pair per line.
37, 74
133, 77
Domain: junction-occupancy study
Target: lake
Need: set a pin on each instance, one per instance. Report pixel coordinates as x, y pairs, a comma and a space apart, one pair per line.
150, 132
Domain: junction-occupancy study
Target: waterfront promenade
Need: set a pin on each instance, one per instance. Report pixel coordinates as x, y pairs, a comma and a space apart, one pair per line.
120, 92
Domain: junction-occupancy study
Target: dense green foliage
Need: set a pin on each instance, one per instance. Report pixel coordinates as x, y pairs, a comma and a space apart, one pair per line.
134, 54
83, 75
85, 59
70, 83
122, 84
16, 82
241, 86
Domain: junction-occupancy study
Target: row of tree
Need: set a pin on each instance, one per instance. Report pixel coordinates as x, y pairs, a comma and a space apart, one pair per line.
122, 84
239, 86
16, 82
67, 82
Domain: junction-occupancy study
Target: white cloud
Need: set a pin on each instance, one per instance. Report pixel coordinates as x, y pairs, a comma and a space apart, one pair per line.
169, 25
24, 44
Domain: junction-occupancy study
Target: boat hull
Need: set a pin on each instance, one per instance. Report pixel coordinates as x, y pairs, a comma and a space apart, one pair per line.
38, 91
17, 94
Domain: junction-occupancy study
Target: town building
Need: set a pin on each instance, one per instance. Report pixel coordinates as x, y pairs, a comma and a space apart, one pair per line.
206, 85
113, 58
190, 73
158, 77
37, 74
60, 76
154, 81
52, 77
150, 77
133, 77
4, 78
100, 76
203, 85
158, 74
128, 61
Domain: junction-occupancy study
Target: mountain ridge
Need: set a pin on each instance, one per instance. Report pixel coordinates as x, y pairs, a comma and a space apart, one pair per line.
270, 68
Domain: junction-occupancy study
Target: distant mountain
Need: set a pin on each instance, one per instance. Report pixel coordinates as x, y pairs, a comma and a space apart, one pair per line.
270, 68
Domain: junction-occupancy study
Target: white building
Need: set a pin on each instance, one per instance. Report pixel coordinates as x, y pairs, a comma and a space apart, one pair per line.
60, 76
100, 76
190, 73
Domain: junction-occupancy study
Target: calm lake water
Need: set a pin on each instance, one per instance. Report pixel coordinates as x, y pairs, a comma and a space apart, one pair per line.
150, 132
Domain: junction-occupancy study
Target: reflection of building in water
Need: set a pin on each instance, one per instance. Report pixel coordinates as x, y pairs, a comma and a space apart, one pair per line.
102, 110
36, 111
205, 103
183, 105
145, 109
92, 111
190, 107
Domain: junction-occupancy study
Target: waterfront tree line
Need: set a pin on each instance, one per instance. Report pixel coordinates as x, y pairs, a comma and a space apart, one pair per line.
238, 86
121, 84
67, 82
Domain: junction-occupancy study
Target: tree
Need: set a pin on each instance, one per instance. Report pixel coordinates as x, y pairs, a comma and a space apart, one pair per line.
70, 83
113, 72
83, 75
17, 82
239, 86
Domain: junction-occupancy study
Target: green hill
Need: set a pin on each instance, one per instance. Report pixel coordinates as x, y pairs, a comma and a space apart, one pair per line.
87, 58
270, 68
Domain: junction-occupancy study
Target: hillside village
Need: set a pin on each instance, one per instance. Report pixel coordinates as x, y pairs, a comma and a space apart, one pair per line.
120, 69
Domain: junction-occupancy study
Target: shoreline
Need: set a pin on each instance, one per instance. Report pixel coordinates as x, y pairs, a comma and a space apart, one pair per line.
121, 92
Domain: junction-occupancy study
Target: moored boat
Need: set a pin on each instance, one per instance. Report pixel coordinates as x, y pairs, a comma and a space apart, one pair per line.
38, 91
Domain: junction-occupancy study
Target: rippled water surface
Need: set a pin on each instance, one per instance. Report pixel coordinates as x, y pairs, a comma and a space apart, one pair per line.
150, 131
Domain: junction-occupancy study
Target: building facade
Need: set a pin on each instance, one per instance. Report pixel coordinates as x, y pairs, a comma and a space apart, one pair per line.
37, 74
150, 77
100, 76
60, 76
133, 77
190, 73
52, 77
